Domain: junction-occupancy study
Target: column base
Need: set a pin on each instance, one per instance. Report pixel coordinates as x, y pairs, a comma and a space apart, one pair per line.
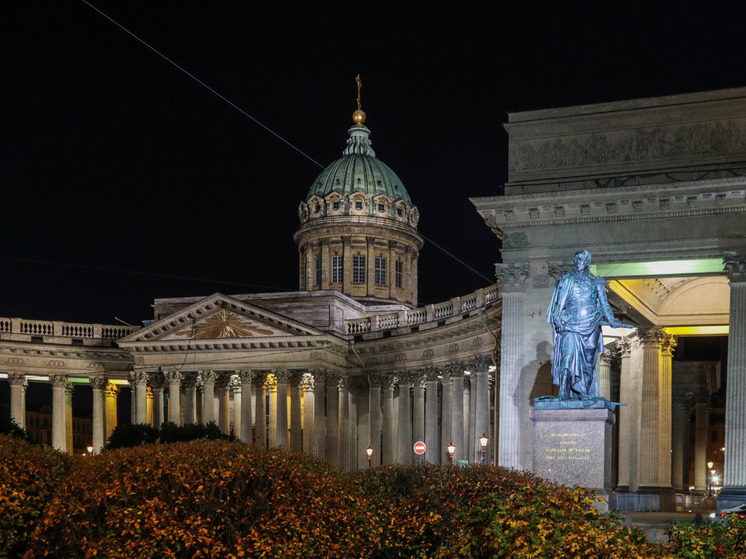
662, 497
731, 497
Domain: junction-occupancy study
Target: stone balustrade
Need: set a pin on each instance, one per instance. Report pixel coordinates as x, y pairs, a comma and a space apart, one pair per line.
431, 313
51, 328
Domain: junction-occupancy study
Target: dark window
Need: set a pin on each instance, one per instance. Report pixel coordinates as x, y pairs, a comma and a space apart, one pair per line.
358, 269
318, 271
399, 274
399, 212
358, 204
380, 271
381, 207
335, 205
317, 208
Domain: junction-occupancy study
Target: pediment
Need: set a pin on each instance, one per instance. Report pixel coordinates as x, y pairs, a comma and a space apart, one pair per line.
219, 317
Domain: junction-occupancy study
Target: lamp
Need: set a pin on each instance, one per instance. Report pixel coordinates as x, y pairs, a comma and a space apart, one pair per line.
710, 471
483, 440
451, 450
89, 449
369, 452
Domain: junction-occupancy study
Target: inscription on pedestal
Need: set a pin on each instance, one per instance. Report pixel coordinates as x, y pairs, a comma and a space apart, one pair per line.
573, 446
567, 446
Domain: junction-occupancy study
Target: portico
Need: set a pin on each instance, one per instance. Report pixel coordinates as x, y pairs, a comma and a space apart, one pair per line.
654, 189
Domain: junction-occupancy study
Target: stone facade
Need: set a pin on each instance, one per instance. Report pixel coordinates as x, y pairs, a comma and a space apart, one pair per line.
655, 190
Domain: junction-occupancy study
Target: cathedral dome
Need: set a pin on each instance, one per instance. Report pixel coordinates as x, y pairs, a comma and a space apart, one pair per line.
358, 228
358, 170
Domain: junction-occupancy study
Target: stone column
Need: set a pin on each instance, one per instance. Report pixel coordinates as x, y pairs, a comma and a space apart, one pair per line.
149, 405
173, 380
140, 396
281, 440
271, 387
418, 410
309, 411
69, 418
376, 418
208, 396
332, 418
223, 392
734, 475
480, 376
260, 424
457, 412
604, 374
18, 398
344, 446
701, 436
189, 383
391, 271
59, 413
513, 278
296, 427
370, 263
655, 416
246, 378
446, 420
679, 440
319, 413
110, 398
98, 385
156, 384
346, 267
388, 452
625, 415
469, 433
234, 388
432, 434
406, 453
325, 264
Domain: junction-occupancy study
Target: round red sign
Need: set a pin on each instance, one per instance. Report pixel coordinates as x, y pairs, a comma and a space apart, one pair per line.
419, 447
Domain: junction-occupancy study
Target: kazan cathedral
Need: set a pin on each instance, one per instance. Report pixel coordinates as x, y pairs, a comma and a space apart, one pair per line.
348, 369
351, 370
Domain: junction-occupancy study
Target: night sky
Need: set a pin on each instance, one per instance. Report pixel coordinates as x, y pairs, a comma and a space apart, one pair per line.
125, 180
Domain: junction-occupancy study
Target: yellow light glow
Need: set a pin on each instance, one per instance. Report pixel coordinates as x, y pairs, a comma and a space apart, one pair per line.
697, 330
121, 382
661, 268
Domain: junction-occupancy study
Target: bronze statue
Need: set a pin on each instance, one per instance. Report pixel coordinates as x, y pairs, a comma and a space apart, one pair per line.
578, 309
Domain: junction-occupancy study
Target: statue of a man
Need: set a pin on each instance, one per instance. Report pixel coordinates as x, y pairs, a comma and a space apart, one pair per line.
577, 311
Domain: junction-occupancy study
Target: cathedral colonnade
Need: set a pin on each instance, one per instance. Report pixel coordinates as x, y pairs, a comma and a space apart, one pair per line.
317, 411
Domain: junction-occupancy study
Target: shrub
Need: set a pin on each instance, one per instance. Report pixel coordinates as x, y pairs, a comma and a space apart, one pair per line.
201, 499
483, 511
129, 435
29, 478
723, 538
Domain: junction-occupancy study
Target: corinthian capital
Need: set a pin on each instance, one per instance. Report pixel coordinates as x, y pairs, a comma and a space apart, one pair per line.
513, 276
735, 266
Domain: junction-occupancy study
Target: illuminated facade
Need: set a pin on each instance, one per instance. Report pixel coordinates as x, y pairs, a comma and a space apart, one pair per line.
347, 362
654, 189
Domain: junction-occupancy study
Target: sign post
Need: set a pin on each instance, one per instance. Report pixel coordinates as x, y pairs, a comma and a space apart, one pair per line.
419, 449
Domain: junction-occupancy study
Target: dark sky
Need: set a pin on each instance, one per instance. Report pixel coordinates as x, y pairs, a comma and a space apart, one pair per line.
122, 176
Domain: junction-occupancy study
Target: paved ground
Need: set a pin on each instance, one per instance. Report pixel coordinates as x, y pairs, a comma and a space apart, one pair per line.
654, 524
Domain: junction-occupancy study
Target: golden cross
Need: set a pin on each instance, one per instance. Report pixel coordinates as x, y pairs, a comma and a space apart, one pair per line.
359, 85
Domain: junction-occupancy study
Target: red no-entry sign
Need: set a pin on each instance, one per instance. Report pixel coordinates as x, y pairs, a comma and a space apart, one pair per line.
419, 447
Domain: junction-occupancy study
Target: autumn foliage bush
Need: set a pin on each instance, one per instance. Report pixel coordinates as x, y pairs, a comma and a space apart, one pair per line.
213, 498
201, 499
29, 477
482, 511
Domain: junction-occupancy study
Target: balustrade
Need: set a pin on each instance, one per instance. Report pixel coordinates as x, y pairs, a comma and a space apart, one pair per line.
64, 329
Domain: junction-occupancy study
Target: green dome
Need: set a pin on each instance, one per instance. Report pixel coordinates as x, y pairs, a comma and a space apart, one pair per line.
358, 170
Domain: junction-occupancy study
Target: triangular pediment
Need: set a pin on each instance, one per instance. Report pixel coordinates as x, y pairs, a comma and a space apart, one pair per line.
219, 317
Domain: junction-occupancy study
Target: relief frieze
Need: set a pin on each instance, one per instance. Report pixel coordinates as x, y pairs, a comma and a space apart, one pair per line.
701, 139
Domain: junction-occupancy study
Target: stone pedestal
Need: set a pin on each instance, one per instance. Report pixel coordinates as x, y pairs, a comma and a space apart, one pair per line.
573, 446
